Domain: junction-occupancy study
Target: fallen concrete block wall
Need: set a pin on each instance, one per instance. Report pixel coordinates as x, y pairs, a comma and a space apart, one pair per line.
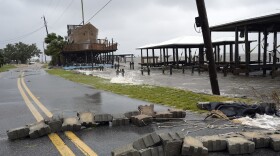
176, 143
89, 119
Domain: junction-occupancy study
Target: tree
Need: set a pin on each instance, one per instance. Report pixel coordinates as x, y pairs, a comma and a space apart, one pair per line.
55, 44
1, 58
20, 52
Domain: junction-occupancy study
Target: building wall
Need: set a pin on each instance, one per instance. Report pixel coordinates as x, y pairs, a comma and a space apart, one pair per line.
84, 34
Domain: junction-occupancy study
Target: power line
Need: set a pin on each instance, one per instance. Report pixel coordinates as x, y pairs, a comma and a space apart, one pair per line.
68, 6
20, 37
99, 10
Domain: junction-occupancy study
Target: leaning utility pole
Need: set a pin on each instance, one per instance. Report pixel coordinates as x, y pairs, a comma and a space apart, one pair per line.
83, 12
45, 23
202, 21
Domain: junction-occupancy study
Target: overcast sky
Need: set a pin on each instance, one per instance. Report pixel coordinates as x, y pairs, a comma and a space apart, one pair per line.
132, 23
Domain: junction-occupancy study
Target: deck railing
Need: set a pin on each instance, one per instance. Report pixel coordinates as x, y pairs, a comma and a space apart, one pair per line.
90, 46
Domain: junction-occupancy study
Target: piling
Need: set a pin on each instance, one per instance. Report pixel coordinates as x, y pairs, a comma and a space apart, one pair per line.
170, 69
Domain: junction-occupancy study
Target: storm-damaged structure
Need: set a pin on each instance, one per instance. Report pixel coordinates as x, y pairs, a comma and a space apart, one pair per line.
85, 49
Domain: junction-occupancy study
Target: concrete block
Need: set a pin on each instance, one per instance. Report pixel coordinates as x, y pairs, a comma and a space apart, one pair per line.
71, 124
260, 140
55, 124
240, 145
120, 120
275, 142
203, 105
163, 116
126, 150
86, 118
149, 140
230, 135
147, 110
194, 147
152, 151
177, 113
172, 143
39, 129
103, 118
18, 133
214, 143
141, 120
131, 113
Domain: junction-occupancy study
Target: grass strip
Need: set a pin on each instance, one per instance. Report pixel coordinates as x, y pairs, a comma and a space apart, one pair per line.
7, 67
177, 98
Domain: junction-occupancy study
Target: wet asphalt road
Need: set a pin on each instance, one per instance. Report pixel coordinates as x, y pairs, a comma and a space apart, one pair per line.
63, 97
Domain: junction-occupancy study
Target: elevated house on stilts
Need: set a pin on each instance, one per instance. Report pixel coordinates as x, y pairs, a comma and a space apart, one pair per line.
84, 49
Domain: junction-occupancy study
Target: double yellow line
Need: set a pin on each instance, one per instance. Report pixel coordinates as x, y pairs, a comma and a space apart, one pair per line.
63, 149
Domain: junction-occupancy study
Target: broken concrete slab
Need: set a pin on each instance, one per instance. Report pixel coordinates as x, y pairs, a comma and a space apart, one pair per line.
71, 124
260, 140
120, 120
39, 129
172, 143
18, 133
230, 135
275, 142
86, 118
163, 116
126, 150
152, 151
103, 118
214, 143
147, 110
131, 113
194, 147
141, 120
240, 145
55, 124
177, 113
203, 105
149, 140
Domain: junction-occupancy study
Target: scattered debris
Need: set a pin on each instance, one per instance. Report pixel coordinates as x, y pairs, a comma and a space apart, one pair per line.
169, 144
89, 119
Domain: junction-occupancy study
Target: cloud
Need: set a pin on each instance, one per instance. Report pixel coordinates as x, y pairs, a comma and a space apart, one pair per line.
132, 23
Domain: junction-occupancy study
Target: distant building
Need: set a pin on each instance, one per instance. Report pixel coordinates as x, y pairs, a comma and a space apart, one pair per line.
84, 47
82, 34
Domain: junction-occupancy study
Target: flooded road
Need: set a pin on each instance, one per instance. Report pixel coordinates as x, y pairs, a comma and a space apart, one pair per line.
63, 97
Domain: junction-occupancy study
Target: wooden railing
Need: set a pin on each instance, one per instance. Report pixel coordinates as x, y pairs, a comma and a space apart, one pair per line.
90, 46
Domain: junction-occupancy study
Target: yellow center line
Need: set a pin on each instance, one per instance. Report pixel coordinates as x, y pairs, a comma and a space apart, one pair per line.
63, 149
40, 105
78, 142
31, 107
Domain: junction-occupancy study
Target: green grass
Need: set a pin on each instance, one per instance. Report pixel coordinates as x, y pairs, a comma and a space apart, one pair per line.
177, 98
45, 65
7, 67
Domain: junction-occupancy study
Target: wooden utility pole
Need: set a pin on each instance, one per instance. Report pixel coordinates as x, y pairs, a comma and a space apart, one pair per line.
83, 12
203, 22
45, 23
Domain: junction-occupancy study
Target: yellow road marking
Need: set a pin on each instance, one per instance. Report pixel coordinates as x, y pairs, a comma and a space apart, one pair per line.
63, 149
40, 105
31, 107
78, 142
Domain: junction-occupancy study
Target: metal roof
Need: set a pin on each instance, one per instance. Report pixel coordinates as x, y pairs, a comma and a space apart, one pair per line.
255, 24
190, 42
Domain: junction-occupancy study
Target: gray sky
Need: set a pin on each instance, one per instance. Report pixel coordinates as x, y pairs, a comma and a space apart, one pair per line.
132, 23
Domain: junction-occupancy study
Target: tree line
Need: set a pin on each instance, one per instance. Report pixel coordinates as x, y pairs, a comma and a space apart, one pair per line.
18, 52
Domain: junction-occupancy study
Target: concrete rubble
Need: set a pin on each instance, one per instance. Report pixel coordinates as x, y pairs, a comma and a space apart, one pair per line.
86, 119
143, 117
192, 146
71, 124
177, 143
39, 129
